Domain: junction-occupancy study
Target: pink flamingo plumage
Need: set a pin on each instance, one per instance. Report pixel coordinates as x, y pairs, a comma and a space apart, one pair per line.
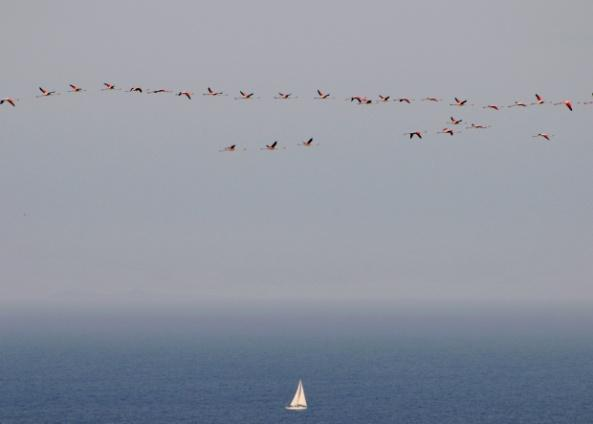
459, 102
449, 131
413, 134
566, 103
322, 95
543, 135
46, 93
211, 92
10, 100
187, 94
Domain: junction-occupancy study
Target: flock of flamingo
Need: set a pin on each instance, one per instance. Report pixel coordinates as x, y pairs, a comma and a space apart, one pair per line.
451, 129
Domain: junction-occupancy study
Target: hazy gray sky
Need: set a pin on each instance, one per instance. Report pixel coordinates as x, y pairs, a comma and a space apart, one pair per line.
114, 199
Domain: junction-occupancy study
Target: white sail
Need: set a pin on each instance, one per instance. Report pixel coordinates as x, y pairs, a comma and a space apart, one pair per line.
299, 402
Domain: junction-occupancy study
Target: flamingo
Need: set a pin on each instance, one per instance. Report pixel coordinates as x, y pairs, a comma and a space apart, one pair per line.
75, 89
245, 95
159, 91
518, 103
566, 103
478, 126
539, 100
11, 101
231, 148
383, 99
405, 100
273, 146
283, 96
187, 94
212, 92
361, 100
447, 131
455, 121
46, 93
308, 143
491, 106
136, 90
322, 95
431, 99
543, 135
418, 134
459, 102
108, 86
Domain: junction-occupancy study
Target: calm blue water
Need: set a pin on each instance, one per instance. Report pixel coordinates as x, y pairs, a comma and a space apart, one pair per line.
348, 378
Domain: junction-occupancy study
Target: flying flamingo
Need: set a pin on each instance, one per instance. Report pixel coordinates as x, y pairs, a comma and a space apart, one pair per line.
187, 94
273, 146
361, 100
447, 131
543, 135
244, 95
159, 91
322, 95
566, 103
307, 143
136, 90
75, 89
431, 99
478, 126
492, 106
212, 92
518, 103
405, 100
231, 148
46, 93
418, 134
11, 101
539, 100
284, 96
383, 99
108, 86
459, 102
455, 121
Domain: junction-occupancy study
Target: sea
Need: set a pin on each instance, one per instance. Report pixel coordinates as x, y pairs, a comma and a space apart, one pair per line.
246, 371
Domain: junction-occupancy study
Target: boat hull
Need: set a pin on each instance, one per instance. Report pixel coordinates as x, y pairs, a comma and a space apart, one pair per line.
296, 408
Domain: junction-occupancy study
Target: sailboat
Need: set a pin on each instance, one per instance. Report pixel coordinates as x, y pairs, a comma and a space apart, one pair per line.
298, 403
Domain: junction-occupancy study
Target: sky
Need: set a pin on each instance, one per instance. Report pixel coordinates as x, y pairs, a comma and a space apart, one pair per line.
112, 200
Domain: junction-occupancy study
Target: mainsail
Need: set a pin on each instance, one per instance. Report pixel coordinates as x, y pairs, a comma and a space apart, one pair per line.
298, 401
